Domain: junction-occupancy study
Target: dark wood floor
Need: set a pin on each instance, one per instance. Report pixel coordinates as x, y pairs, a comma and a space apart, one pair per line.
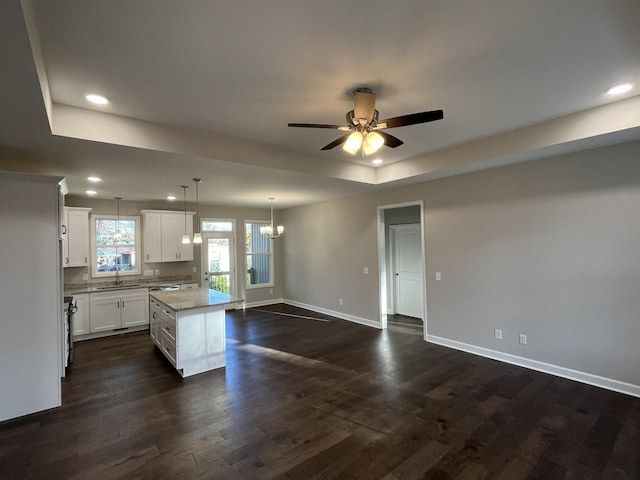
404, 324
303, 398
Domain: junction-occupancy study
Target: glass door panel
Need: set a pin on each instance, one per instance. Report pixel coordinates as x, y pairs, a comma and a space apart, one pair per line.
218, 266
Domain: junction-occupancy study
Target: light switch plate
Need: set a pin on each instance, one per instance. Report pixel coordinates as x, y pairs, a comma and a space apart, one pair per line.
438, 276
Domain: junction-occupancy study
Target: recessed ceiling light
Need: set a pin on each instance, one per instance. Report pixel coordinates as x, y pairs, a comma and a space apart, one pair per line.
91, 192
171, 198
97, 99
94, 179
620, 89
376, 161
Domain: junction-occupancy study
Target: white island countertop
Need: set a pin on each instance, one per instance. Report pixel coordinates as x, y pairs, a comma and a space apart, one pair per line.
193, 298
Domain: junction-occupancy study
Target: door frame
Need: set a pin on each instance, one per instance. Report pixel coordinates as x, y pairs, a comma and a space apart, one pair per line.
206, 235
384, 266
393, 296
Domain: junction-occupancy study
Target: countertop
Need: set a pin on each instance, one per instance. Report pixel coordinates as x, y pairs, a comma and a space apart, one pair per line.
105, 287
193, 298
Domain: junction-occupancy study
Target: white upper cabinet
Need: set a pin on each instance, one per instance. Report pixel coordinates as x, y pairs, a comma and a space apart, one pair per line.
152, 227
163, 231
76, 237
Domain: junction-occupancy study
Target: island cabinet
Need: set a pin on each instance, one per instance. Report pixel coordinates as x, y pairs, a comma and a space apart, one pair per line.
76, 237
188, 326
119, 310
163, 231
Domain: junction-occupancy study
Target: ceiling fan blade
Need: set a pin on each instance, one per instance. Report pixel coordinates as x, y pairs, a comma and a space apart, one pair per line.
412, 119
337, 142
315, 125
390, 140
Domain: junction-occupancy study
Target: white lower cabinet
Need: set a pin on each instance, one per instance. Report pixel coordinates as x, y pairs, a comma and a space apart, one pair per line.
81, 317
116, 310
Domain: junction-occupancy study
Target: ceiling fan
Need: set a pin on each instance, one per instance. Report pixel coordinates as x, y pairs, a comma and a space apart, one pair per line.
366, 128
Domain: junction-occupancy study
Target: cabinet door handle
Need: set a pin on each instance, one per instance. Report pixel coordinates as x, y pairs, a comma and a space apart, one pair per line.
118, 304
154, 315
64, 229
66, 260
123, 304
85, 259
147, 256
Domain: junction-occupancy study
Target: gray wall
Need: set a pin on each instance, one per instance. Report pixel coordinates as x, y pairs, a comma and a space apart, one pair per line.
547, 248
30, 295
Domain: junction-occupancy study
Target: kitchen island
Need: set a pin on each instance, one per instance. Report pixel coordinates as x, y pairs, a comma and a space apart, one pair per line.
188, 326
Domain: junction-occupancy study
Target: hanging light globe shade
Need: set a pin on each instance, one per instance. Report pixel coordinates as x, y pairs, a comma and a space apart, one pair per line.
372, 143
353, 143
197, 237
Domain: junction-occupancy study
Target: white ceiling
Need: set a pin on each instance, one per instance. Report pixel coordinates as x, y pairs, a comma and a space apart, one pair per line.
206, 89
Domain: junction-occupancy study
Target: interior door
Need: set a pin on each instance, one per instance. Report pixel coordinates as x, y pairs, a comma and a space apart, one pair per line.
219, 262
407, 262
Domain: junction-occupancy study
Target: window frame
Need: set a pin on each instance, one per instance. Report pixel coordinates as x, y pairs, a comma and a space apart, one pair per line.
270, 253
94, 246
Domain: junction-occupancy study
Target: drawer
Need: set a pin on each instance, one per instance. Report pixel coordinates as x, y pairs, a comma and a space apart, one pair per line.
169, 349
169, 328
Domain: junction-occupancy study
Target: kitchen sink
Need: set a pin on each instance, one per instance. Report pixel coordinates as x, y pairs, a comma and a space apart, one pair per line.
113, 287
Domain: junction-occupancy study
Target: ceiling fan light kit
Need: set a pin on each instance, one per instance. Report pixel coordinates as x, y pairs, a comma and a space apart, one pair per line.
353, 143
363, 122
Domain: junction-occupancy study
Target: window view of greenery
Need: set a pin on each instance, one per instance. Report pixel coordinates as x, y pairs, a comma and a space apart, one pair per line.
115, 245
219, 264
258, 248
216, 226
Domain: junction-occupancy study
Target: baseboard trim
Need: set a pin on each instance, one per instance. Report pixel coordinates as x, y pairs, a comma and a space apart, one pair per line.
110, 333
578, 376
261, 303
343, 316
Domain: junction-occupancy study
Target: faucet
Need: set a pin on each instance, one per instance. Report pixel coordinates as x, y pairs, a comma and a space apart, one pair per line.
118, 279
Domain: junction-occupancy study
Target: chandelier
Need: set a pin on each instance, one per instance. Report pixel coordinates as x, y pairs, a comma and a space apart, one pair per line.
269, 230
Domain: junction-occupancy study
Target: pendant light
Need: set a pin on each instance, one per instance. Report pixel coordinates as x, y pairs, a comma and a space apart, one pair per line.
197, 237
185, 238
269, 230
118, 232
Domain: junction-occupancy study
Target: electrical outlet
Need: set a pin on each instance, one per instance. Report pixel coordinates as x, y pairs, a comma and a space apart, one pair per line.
365, 270
438, 276
157, 272
339, 301
85, 276
523, 339
195, 269
271, 291
497, 333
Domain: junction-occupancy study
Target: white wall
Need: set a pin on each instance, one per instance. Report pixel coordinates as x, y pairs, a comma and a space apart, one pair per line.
548, 248
30, 295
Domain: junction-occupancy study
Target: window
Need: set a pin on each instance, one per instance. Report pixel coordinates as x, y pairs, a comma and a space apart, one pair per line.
217, 225
259, 256
112, 251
